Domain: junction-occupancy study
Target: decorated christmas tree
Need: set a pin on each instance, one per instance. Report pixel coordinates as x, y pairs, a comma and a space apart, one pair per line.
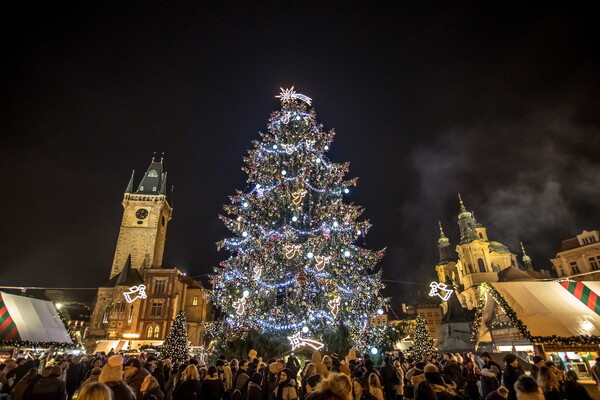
422, 341
175, 346
296, 268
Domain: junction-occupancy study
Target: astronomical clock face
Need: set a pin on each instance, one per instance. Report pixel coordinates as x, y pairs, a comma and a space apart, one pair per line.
141, 213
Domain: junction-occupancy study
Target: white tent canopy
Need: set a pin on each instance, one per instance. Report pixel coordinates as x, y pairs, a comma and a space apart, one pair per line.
31, 320
546, 308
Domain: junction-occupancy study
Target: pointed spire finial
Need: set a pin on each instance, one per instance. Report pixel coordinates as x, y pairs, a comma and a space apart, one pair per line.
523, 248
441, 230
460, 199
153, 156
162, 156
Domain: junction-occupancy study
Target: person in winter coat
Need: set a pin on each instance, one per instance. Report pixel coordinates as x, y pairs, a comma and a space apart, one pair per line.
499, 394
96, 391
19, 389
151, 389
317, 360
549, 384
334, 387
489, 380
400, 374
212, 388
135, 375
526, 389
389, 379
574, 390
441, 389
375, 387
189, 388
255, 391
74, 376
511, 374
112, 376
225, 374
424, 391
286, 386
48, 388
93, 378
452, 370
310, 380
361, 389
470, 374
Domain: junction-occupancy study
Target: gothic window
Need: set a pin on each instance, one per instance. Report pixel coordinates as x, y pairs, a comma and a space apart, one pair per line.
160, 285
496, 267
150, 331
195, 301
481, 265
130, 317
156, 331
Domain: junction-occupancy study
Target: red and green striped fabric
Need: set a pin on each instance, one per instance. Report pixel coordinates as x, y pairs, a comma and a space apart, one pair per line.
583, 294
8, 329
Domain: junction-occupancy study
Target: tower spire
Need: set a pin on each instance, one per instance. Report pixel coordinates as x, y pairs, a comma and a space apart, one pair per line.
444, 247
526, 259
130, 184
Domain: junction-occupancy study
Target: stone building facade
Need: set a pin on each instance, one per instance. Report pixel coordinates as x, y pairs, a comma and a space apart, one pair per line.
138, 304
579, 257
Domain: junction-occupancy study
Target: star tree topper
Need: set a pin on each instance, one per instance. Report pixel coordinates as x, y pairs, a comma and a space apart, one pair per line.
288, 95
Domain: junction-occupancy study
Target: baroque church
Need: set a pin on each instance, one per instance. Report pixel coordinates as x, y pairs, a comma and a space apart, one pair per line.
479, 260
139, 302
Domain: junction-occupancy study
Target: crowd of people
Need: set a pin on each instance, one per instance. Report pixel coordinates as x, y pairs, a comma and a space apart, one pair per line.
146, 377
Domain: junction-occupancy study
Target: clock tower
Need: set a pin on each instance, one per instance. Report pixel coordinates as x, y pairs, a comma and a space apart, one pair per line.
146, 213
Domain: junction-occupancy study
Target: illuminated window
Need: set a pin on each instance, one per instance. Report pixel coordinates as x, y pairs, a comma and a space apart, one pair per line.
156, 331
152, 173
150, 331
195, 301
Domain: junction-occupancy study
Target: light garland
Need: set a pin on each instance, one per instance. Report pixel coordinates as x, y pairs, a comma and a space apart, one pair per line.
139, 291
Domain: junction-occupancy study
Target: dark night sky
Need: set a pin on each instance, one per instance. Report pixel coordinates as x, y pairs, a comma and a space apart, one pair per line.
497, 102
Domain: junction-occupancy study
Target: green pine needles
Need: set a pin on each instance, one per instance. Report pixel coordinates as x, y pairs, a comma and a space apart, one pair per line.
175, 346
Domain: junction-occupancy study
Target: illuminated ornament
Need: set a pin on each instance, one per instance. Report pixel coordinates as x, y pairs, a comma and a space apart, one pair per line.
321, 261
326, 148
139, 291
291, 250
283, 172
245, 204
286, 118
257, 272
326, 233
380, 311
301, 278
347, 253
334, 305
346, 190
298, 196
244, 234
305, 329
435, 290
294, 218
335, 224
288, 95
374, 350
289, 148
239, 306
296, 341
310, 255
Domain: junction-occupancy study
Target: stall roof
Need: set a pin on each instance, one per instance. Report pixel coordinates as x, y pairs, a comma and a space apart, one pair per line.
25, 319
548, 308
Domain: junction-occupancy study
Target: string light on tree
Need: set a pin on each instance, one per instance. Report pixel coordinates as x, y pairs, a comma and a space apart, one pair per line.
292, 213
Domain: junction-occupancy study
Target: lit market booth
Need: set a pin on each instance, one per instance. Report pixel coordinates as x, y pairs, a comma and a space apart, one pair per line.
558, 320
30, 324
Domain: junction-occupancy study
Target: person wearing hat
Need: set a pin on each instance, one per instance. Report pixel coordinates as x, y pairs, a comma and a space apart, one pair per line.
538, 362
135, 375
489, 380
112, 376
286, 386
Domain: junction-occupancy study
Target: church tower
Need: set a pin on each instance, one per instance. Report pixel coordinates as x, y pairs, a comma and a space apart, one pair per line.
526, 259
146, 213
446, 266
